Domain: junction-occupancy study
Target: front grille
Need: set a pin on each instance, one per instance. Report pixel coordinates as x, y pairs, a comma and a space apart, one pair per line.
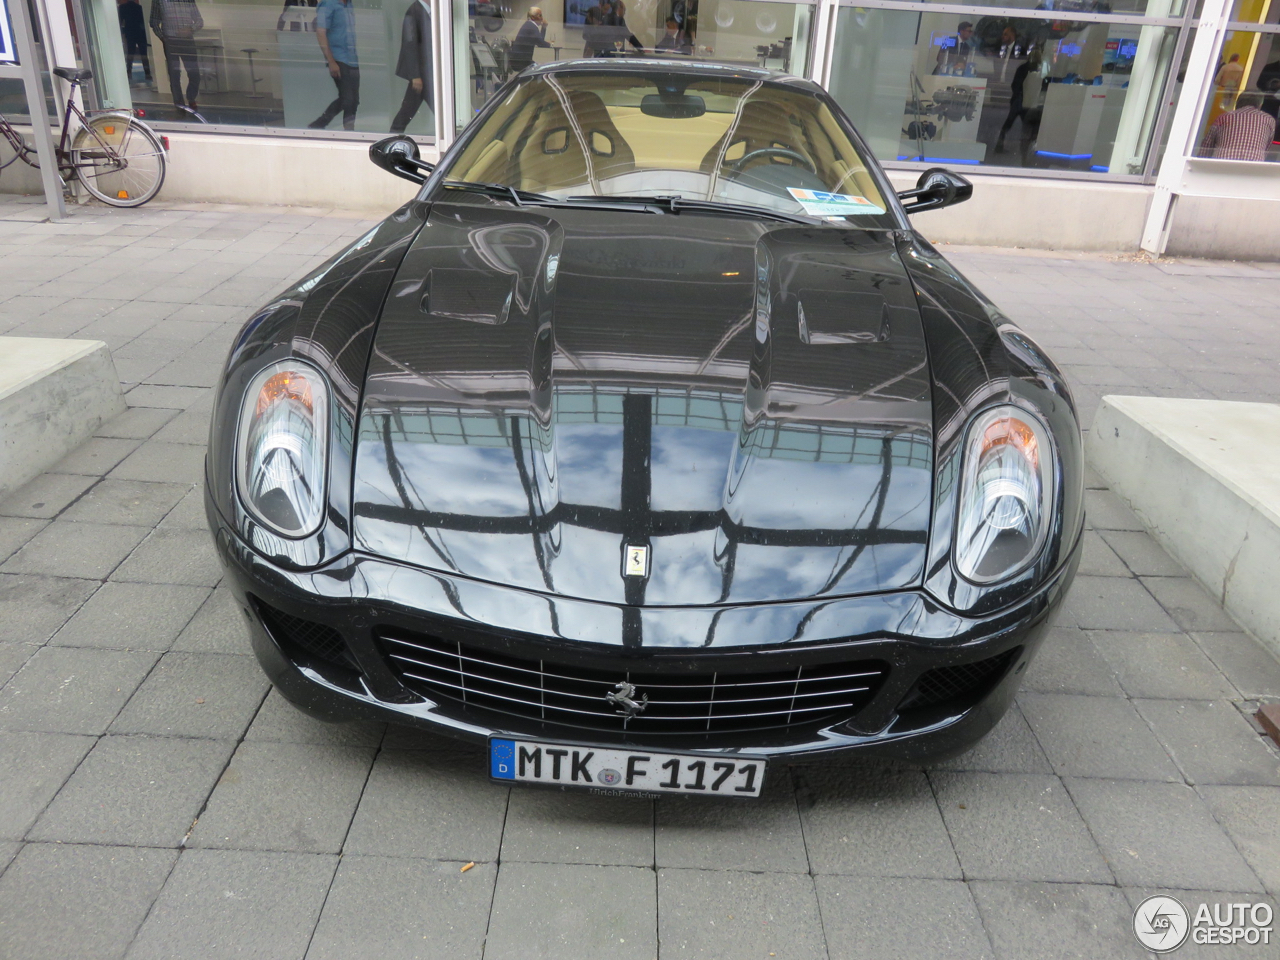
962, 684
565, 695
315, 639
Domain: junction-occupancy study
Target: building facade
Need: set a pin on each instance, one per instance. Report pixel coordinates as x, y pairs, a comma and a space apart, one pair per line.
1103, 124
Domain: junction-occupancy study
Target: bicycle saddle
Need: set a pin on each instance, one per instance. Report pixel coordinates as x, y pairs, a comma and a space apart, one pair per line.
72, 75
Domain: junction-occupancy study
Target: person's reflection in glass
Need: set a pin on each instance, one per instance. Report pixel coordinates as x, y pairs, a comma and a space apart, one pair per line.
620, 33
336, 34
415, 63
175, 22
674, 41
1017, 99
1244, 133
597, 41
133, 30
960, 48
532, 33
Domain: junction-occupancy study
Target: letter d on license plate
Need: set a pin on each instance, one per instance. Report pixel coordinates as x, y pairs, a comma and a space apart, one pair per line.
605, 770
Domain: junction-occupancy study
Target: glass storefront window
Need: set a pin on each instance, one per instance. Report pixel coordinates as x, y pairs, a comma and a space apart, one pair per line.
491, 45
1240, 115
980, 90
260, 63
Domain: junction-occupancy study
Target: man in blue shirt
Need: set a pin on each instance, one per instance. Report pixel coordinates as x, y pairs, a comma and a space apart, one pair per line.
336, 33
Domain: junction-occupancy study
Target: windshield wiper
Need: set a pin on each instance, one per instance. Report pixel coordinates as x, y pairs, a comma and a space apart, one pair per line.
518, 197
675, 204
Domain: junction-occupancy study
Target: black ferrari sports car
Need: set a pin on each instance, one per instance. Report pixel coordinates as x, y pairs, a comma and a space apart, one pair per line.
648, 445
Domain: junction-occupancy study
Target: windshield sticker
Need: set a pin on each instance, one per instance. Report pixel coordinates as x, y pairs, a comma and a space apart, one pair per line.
819, 204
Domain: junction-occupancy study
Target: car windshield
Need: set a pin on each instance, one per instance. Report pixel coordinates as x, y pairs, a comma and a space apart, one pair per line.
726, 140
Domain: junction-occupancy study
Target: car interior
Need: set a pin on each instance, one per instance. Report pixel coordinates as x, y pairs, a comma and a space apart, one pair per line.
732, 140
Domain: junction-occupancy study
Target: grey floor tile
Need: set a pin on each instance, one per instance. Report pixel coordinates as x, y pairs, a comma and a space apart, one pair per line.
762, 834
233, 904
1250, 667
33, 767
96, 456
555, 910
8, 850
1211, 742
143, 791
430, 803
15, 532
1160, 835
189, 513
131, 502
72, 690
13, 656
1112, 603
213, 696
877, 822
137, 423
163, 462
1221, 900
1249, 816
296, 797
166, 397
1099, 560
46, 496
139, 616
1189, 605
279, 721
720, 913
1017, 827
33, 607
70, 549
70, 901
549, 826
1142, 555
1161, 665
1106, 511
1009, 748
220, 626
412, 910
1096, 737
173, 556
881, 919
1057, 921
1069, 662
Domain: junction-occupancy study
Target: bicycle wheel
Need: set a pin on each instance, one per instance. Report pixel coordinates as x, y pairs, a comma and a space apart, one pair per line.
119, 160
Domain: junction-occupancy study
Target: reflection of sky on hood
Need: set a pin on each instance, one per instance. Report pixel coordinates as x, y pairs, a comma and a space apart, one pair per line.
688, 467
449, 478
589, 463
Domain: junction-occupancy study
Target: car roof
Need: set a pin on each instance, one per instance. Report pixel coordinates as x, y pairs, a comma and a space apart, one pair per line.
618, 65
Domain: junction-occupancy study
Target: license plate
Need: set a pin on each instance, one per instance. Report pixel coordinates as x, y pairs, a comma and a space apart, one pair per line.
606, 771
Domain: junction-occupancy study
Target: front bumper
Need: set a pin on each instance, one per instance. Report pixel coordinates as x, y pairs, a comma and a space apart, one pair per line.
943, 680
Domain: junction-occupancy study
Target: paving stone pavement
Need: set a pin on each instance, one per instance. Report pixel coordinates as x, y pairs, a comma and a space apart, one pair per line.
157, 799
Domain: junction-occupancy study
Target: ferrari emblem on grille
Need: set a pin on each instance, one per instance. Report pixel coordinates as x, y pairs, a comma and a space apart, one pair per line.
623, 697
635, 561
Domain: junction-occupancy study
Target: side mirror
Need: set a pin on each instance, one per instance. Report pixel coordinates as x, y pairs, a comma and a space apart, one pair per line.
399, 155
937, 187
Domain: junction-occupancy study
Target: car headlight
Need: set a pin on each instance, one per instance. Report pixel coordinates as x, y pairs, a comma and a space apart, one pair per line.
282, 448
1006, 492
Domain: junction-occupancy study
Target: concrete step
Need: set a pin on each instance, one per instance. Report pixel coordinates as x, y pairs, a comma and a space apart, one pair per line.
1203, 476
53, 395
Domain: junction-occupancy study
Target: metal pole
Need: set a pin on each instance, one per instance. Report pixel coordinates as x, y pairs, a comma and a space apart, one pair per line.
29, 70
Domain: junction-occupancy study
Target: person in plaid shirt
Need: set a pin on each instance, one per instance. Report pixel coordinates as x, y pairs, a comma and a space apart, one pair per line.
1243, 134
175, 22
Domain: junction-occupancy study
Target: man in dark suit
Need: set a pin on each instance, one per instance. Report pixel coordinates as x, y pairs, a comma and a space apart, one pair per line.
532, 33
415, 64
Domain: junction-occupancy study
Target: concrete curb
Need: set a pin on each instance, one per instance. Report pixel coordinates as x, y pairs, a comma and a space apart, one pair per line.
1203, 476
53, 395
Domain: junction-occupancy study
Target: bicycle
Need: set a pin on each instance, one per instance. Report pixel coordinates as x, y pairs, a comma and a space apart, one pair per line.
118, 158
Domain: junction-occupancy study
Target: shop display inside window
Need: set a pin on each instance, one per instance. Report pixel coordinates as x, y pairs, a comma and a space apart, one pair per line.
1240, 116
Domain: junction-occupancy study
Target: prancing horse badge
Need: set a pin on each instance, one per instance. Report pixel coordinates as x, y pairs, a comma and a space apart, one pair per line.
635, 561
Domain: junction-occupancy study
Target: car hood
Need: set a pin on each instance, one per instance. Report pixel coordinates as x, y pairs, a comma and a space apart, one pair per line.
549, 389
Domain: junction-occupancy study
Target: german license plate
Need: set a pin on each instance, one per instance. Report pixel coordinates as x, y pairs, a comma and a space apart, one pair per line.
624, 771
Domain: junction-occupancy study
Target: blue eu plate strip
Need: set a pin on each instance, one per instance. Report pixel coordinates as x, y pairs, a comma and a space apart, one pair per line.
502, 759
